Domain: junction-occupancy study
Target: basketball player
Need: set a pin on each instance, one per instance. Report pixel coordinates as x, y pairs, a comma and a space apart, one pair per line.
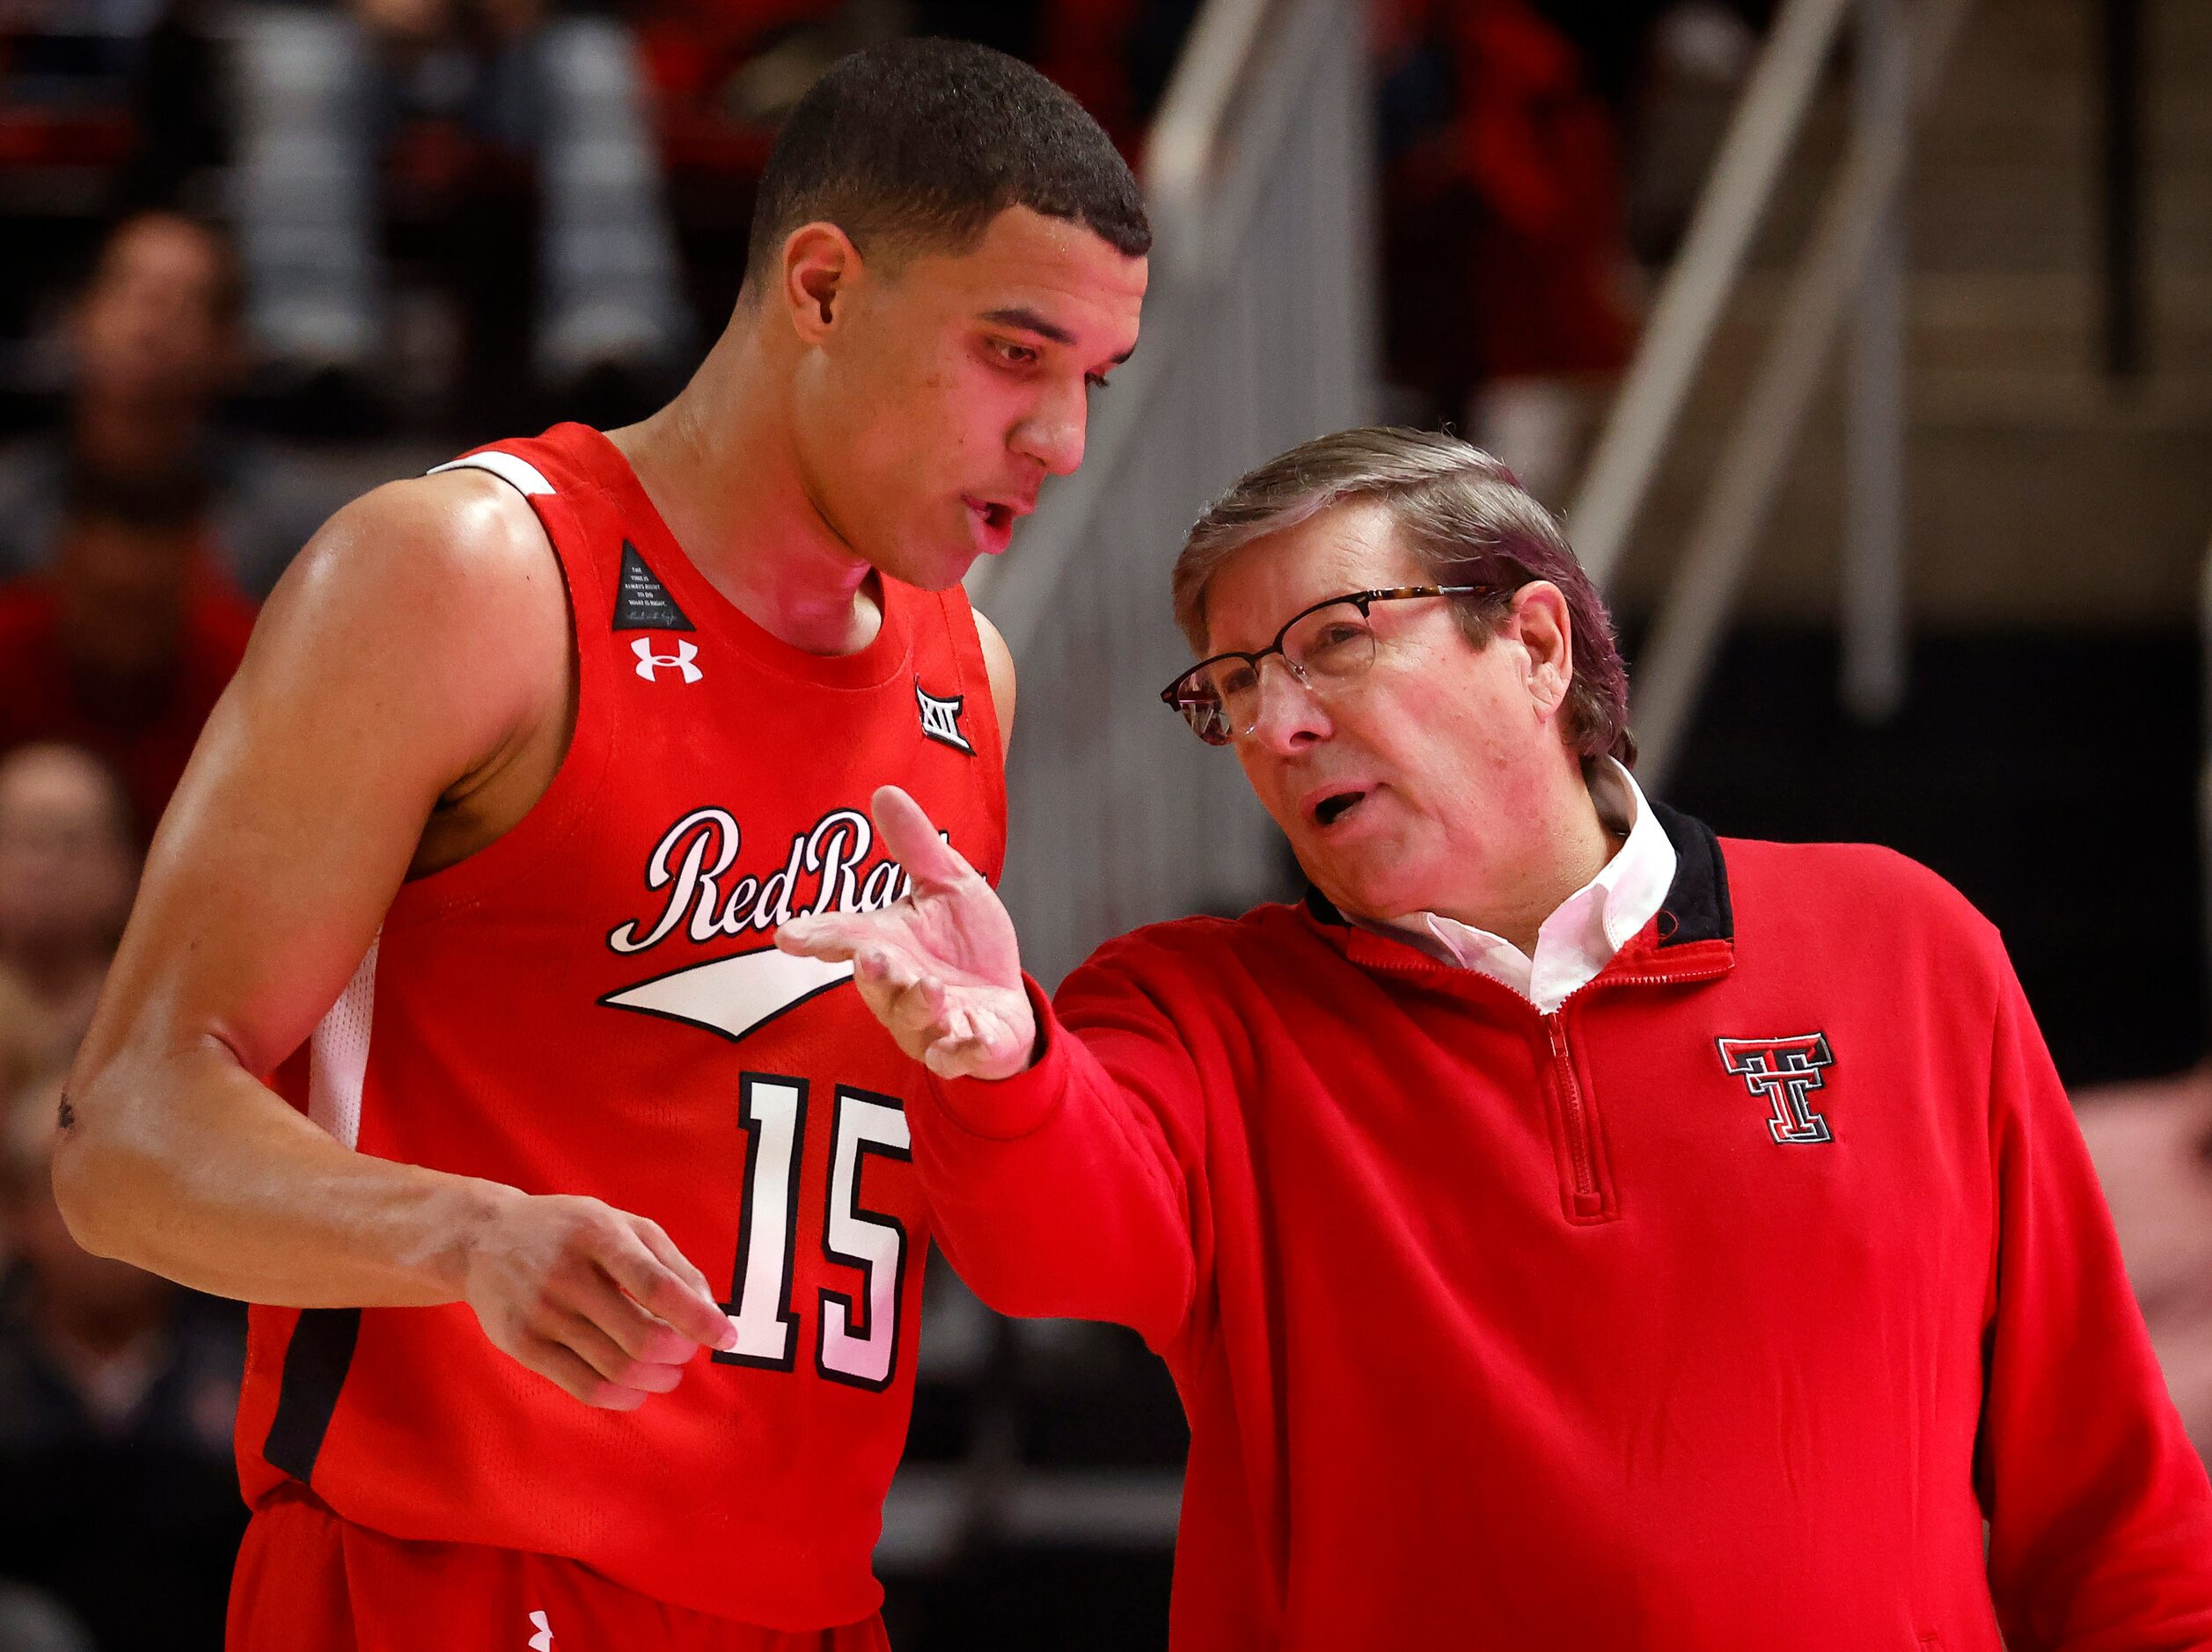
448, 1025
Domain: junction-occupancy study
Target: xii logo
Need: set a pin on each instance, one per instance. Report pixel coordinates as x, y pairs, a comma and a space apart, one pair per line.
1783, 1072
940, 719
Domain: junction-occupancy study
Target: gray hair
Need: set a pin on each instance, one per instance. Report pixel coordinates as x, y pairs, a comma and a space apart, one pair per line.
1458, 511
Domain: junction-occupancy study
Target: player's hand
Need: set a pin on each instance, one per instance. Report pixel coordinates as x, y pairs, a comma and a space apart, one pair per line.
940, 968
590, 1297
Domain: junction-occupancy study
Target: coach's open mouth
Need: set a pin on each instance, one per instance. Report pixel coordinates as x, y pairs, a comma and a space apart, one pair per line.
1336, 806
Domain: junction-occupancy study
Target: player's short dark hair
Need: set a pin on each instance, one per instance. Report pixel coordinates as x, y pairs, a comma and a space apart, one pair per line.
922, 142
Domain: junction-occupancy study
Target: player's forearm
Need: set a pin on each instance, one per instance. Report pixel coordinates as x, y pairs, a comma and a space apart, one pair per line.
188, 1166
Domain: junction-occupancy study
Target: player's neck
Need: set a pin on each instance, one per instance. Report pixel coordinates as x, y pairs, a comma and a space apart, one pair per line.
718, 465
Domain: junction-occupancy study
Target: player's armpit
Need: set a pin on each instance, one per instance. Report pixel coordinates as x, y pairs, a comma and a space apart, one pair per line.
417, 635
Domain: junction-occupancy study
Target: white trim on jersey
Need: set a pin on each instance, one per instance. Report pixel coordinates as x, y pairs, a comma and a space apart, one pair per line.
520, 474
338, 1055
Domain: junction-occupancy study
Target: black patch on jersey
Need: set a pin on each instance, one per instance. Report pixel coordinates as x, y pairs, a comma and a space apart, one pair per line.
315, 1365
641, 602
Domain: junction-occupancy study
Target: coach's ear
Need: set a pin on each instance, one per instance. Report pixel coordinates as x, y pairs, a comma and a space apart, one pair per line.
998, 664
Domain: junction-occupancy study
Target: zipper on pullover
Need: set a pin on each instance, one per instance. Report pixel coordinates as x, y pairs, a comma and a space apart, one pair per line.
1587, 1196
1586, 1189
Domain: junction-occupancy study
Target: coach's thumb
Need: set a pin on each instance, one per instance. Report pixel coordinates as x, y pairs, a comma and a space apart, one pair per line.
912, 838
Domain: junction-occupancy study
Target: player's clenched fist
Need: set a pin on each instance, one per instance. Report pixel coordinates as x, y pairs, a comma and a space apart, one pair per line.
596, 1300
940, 968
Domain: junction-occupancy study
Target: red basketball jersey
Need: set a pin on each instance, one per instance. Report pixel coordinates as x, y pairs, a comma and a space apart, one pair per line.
592, 1005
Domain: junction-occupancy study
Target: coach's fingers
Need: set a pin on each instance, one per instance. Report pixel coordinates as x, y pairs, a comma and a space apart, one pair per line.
833, 937
661, 1291
959, 1058
567, 1369
981, 1042
912, 839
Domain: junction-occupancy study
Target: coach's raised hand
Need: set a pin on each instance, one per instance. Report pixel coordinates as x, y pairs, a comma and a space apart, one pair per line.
940, 968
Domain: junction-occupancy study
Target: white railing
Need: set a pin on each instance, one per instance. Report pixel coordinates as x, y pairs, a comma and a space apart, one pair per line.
1852, 266
1259, 332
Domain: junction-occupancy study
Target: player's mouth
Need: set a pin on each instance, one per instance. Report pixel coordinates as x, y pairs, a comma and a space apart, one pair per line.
994, 519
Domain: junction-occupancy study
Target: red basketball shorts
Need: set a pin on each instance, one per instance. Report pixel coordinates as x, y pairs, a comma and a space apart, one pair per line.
309, 1582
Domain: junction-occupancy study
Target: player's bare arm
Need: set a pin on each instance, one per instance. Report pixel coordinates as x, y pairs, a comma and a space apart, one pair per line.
407, 698
998, 664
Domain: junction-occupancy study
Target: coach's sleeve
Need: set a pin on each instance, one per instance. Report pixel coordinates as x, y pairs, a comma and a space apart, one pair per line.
1076, 1190
2100, 1520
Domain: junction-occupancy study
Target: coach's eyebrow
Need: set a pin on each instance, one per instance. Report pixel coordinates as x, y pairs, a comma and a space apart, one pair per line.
1030, 321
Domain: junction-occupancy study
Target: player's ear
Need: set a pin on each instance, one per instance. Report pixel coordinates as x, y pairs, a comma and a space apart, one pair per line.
820, 264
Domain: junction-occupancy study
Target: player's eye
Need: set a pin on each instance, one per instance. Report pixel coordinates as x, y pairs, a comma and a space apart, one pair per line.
1013, 355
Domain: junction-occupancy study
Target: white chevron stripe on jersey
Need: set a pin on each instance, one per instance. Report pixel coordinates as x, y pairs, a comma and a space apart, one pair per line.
733, 996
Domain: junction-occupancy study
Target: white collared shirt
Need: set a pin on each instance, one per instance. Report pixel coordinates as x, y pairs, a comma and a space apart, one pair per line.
1596, 921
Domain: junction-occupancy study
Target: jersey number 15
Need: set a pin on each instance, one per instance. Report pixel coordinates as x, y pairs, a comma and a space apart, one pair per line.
772, 1109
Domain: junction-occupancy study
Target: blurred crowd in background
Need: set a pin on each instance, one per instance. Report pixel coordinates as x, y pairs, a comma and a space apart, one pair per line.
259, 257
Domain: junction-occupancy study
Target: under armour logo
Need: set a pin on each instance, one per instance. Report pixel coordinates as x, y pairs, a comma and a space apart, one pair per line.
940, 719
542, 1641
1785, 1072
680, 660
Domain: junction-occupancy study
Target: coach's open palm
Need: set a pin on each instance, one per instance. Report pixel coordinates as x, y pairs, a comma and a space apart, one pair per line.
940, 968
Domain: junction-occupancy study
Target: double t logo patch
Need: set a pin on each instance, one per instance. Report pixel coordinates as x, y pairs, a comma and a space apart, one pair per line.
1783, 1072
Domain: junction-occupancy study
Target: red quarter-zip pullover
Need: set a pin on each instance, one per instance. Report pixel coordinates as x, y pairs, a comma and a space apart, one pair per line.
1718, 1309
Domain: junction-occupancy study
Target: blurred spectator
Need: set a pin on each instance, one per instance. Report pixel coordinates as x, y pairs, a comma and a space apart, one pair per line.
2152, 1143
321, 89
152, 346
67, 869
124, 645
32, 1620
117, 1394
1507, 275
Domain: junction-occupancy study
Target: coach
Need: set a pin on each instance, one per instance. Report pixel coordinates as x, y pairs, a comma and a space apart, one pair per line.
1566, 1228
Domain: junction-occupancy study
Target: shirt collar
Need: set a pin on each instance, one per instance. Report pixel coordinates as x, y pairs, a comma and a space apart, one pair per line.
1636, 879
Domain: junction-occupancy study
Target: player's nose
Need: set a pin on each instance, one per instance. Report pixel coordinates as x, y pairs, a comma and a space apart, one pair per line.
1055, 431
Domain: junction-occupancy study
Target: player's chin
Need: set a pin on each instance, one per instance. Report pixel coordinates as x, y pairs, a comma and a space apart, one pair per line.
936, 566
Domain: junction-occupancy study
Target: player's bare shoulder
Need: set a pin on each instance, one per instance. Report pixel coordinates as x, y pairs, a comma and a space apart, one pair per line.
430, 614
421, 562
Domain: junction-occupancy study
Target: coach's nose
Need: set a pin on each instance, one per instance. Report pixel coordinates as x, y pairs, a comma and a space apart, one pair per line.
1290, 716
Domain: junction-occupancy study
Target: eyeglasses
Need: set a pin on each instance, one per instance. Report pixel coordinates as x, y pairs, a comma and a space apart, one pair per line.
1324, 646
